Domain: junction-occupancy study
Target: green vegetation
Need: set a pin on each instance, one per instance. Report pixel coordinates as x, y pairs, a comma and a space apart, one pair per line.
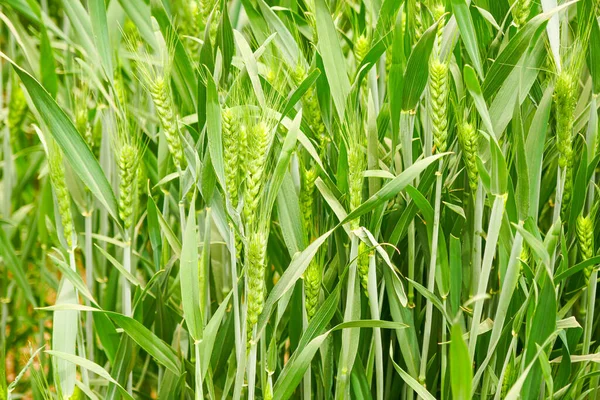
308, 199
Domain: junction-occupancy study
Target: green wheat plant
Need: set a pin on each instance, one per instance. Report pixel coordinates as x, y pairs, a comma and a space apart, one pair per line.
299, 199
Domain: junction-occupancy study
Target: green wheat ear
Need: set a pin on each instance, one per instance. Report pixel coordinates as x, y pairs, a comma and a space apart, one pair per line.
312, 287
61, 193
128, 169
356, 167
206, 7
257, 145
161, 96
311, 109
467, 138
520, 12
156, 81
306, 200
17, 107
438, 103
82, 122
256, 259
314, 271
231, 154
361, 47
564, 102
363, 267
417, 19
585, 239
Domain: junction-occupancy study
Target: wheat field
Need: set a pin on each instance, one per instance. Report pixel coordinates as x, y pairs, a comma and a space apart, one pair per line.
307, 199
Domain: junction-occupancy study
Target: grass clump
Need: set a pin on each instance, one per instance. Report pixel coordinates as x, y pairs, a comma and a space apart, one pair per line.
318, 199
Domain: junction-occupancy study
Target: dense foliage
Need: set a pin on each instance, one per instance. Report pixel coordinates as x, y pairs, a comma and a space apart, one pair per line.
274, 199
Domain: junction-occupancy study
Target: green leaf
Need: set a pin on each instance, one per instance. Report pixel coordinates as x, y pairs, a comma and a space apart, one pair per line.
283, 163
251, 66
393, 187
90, 366
294, 369
189, 277
183, 72
80, 22
417, 69
139, 12
293, 272
154, 232
499, 170
467, 32
284, 39
461, 373
100, 31
475, 90
412, 382
292, 373
157, 348
333, 58
73, 277
553, 29
540, 327
510, 55
118, 266
576, 268
456, 279
594, 56
64, 334
300, 91
210, 334
75, 149
396, 80
534, 150
213, 128
14, 266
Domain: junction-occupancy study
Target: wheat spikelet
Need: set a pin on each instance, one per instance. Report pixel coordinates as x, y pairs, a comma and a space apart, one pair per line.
256, 265
520, 12
525, 256
61, 193
356, 166
585, 239
214, 25
156, 81
257, 146
312, 287
231, 154
438, 103
161, 96
311, 109
127, 183
417, 19
508, 379
568, 188
361, 47
438, 11
306, 200
206, 7
467, 138
363, 267
314, 271
17, 107
564, 102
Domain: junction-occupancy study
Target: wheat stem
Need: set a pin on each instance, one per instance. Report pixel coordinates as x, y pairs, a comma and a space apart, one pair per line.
89, 277
488, 258
431, 274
